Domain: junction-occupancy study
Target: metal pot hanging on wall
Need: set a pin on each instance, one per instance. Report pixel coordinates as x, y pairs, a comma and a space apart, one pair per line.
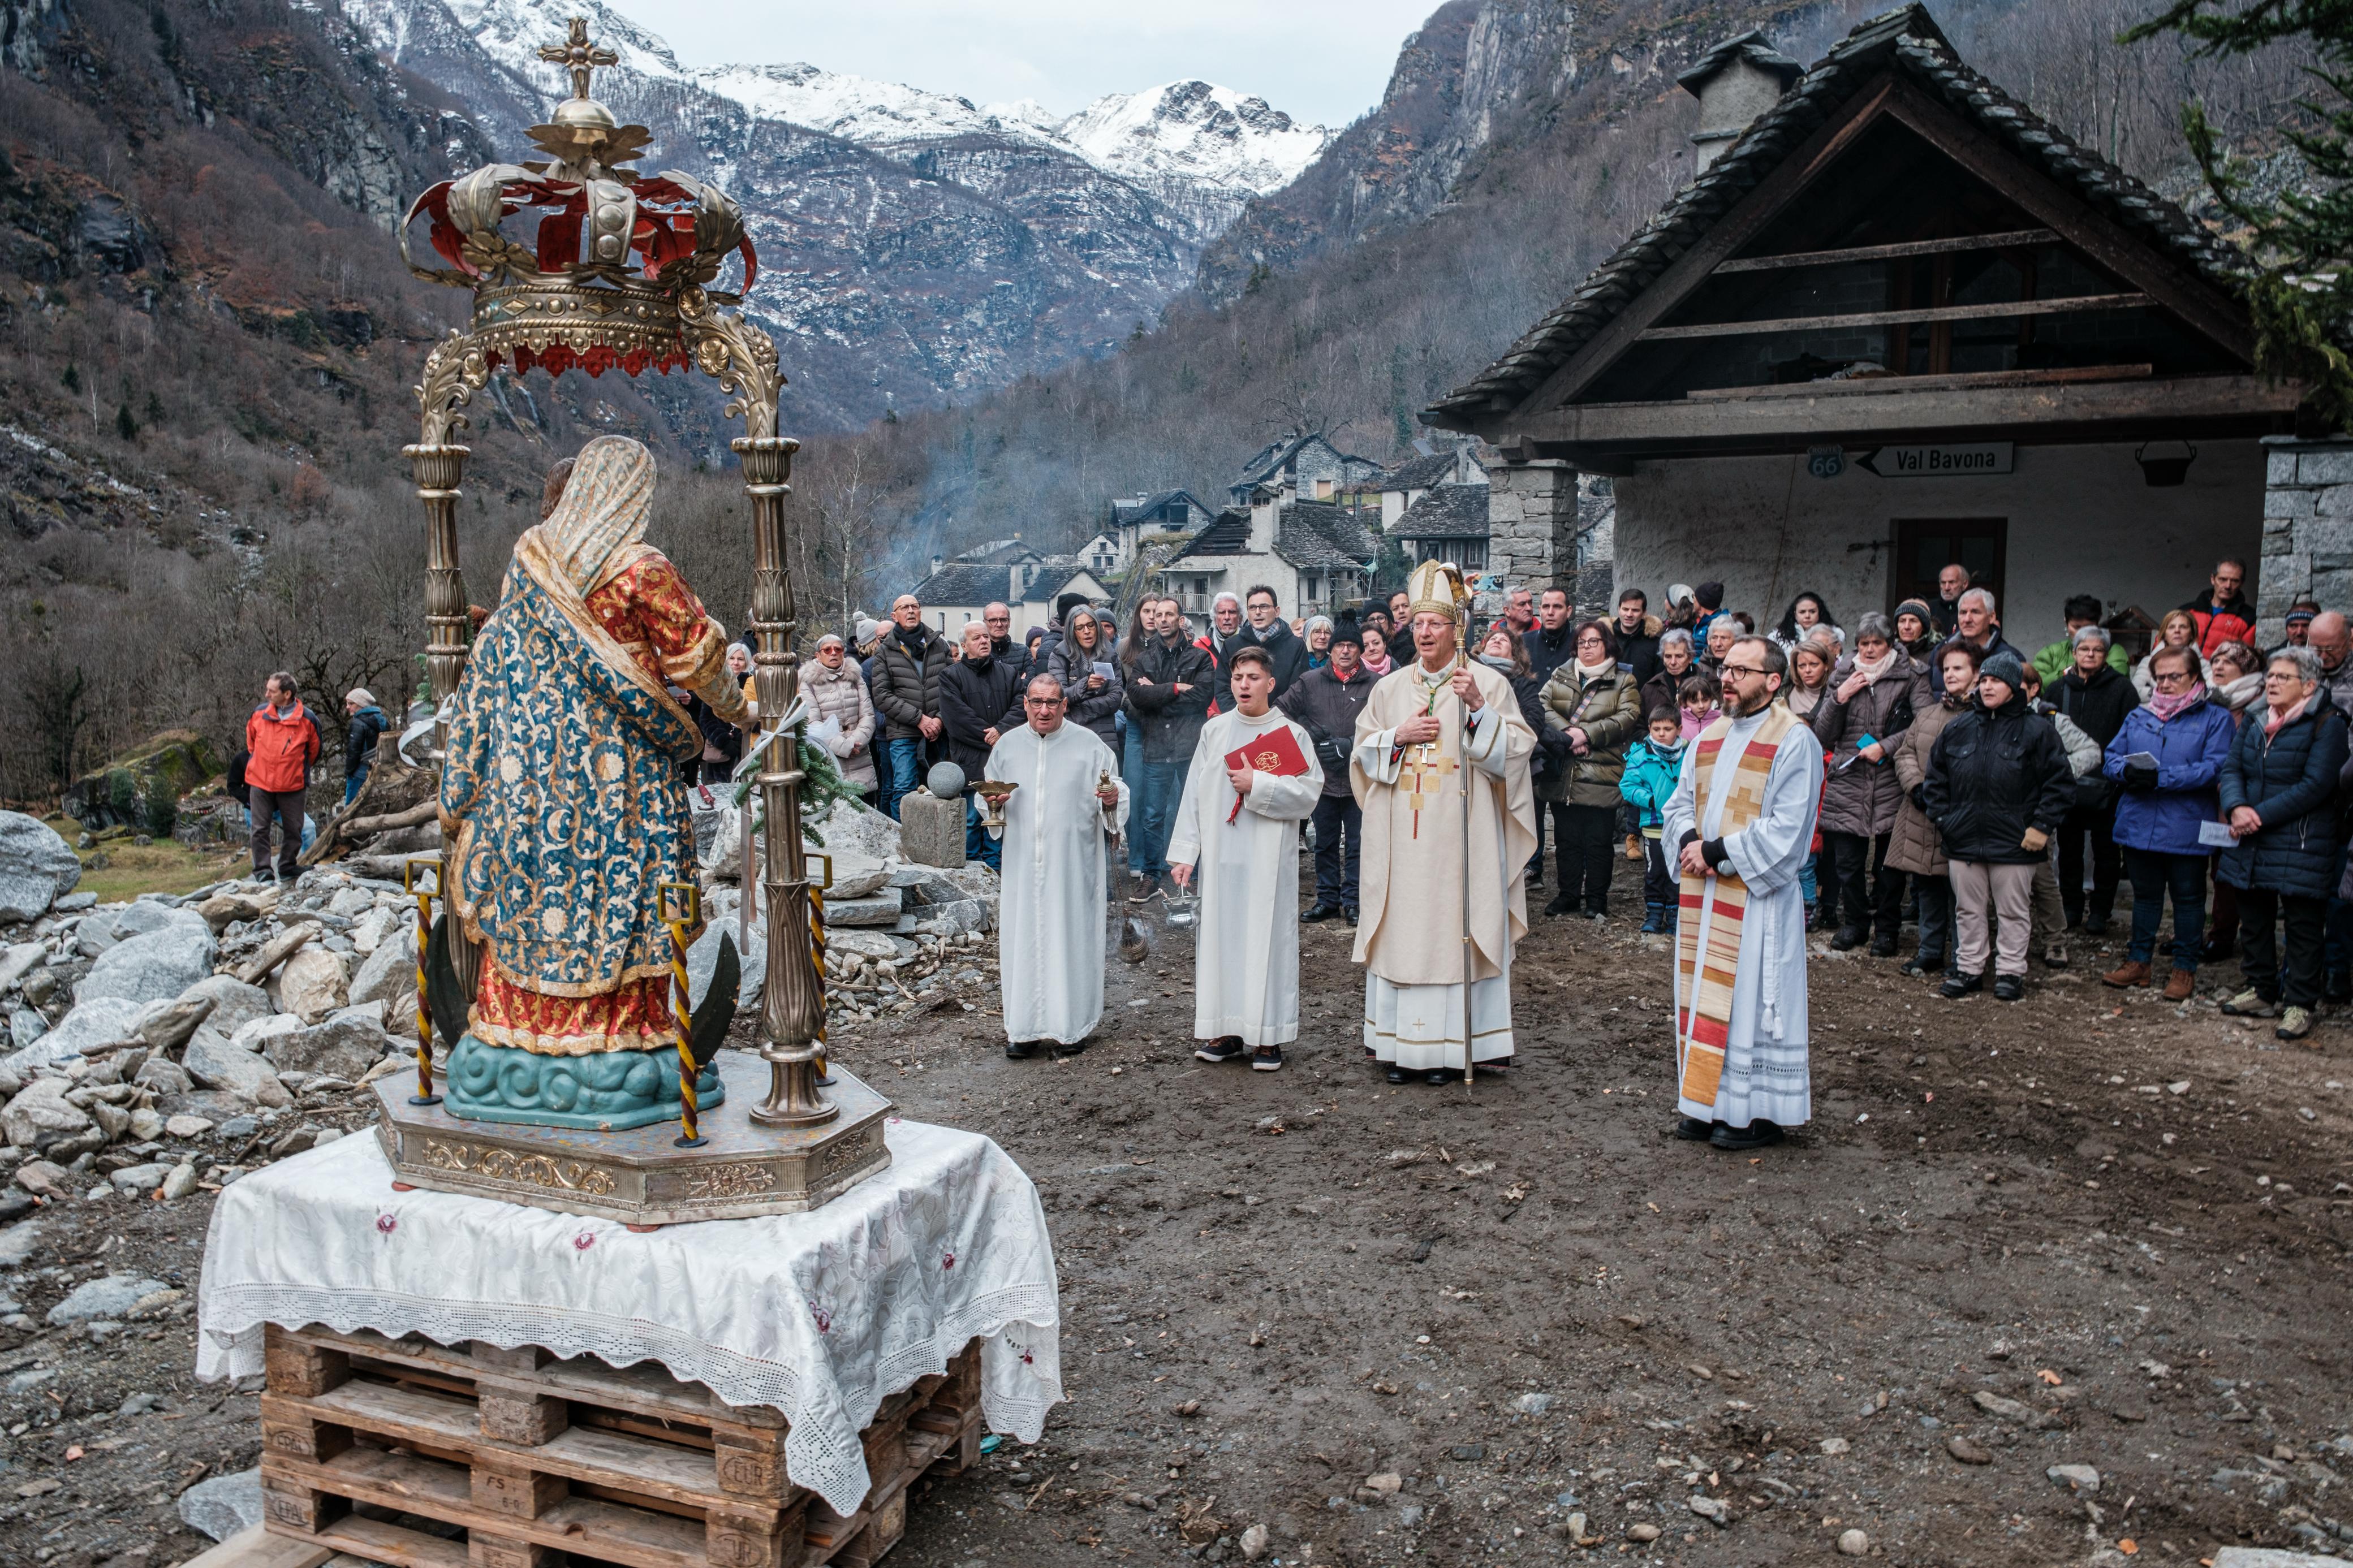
2163, 473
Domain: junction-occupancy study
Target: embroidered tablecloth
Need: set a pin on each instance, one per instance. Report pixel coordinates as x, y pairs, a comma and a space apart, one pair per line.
823, 1315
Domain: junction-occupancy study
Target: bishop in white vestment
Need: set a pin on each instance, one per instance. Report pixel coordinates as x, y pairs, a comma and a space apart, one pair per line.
1415, 889
1052, 898
1236, 839
1738, 825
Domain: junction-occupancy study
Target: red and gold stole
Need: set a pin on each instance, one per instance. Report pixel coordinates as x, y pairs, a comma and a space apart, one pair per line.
1712, 916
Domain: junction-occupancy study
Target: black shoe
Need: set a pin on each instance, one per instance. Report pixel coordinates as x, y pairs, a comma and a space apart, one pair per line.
1321, 913
1692, 1130
1396, 1074
2095, 925
1266, 1058
1926, 963
2214, 951
1227, 1049
1020, 1050
1846, 941
1883, 946
1561, 904
1757, 1134
1440, 1074
2337, 989
1958, 985
1348, 915
2008, 988
1073, 1048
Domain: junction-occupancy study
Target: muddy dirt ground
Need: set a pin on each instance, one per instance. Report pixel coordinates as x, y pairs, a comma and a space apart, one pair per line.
2089, 1229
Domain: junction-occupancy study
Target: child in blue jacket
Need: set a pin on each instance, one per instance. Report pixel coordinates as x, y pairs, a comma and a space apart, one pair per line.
1653, 766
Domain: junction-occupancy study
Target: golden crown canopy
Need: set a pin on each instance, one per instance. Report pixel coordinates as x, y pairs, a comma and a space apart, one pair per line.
616, 259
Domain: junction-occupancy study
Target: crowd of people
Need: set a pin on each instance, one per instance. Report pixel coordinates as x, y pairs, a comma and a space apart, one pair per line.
1990, 804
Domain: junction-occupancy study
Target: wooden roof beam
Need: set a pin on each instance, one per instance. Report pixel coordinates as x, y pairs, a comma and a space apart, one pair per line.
2014, 238
1994, 312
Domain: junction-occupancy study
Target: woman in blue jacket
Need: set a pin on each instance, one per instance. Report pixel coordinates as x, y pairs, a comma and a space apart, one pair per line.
2163, 806
2279, 792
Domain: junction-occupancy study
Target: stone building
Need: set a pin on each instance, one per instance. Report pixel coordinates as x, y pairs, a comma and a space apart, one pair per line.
1415, 477
1317, 557
1899, 321
1304, 468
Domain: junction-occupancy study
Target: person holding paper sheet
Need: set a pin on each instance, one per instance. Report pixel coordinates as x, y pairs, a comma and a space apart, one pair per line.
838, 697
1872, 698
1254, 778
1997, 786
2169, 757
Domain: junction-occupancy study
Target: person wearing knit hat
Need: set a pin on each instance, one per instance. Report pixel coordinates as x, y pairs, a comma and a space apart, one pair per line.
1918, 637
1996, 787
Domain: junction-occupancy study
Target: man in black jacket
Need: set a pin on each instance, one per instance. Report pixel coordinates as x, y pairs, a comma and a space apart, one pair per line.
908, 660
1552, 643
979, 696
1637, 644
1269, 631
1169, 698
2096, 698
1326, 702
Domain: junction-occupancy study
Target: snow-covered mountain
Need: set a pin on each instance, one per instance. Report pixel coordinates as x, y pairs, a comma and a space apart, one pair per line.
915, 245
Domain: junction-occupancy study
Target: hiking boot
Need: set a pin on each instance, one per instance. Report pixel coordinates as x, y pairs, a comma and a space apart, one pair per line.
2181, 985
1653, 917
2251, 1004
2295, 1024
1266, 1058
1846, 941
1957, 986
2055, 955
2008, 988
2131, 973
1759, 1134
1141, 887
1227, 1049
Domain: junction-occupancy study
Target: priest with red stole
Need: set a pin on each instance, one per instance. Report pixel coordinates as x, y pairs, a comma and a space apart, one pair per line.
1254, 779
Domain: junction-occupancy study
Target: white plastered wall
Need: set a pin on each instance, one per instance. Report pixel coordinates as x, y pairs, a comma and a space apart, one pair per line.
2082, 520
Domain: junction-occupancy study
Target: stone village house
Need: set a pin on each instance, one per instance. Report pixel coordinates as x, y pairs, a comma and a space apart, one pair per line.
1006, 572
1896, 321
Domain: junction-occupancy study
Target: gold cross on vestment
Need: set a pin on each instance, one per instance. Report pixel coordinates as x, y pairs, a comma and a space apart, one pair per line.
578, 56
1427, 767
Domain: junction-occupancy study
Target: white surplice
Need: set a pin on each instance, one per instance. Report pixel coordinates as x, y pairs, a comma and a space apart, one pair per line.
1053, 897
1766, 1074
1412, 1017
1246, 947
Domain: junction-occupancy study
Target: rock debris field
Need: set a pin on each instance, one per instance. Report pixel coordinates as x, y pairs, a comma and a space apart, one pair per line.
2053, 1282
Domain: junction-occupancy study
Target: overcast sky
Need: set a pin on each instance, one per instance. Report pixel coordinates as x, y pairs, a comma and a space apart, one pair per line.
1320, 61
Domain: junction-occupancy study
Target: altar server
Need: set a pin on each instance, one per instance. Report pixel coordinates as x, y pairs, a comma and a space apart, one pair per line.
1069, 803
1254, 778
1739, 826
1418, 894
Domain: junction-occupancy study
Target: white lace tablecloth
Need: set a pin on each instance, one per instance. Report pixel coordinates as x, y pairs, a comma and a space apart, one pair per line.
822, 1315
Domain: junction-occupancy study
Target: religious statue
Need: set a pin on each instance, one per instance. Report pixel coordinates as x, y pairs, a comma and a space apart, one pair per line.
560, 793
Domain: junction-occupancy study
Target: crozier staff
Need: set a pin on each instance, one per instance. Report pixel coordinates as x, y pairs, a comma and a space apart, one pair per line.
1411, 738
1741, 821
1051, 918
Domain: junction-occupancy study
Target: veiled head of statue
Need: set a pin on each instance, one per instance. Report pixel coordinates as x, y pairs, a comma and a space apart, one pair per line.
604, 506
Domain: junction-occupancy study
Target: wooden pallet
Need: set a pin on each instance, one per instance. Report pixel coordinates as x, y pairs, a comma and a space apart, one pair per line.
367, 1440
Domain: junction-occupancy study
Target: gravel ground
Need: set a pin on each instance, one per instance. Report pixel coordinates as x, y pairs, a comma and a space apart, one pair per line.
1406, 1325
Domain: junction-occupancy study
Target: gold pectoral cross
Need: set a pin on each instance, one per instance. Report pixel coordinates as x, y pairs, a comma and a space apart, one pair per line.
1427, 767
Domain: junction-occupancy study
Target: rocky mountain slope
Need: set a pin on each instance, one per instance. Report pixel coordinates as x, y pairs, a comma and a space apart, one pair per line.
916, 248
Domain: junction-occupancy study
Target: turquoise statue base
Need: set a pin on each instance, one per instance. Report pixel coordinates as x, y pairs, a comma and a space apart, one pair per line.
605, 1093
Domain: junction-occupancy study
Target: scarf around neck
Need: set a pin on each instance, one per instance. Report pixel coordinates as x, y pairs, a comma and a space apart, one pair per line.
2166, 706
2274, 720
1380, 666
1591, 672
1871, 669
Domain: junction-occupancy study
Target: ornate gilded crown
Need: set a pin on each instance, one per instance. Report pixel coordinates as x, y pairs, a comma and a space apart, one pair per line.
617, 275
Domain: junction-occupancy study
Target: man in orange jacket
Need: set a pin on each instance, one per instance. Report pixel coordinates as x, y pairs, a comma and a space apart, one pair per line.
284, 742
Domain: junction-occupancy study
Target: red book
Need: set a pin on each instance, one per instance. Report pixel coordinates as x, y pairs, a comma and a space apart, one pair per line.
1276, 752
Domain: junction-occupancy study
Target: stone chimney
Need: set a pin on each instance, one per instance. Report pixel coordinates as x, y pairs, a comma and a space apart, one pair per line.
1734, 83
1013, 576
1266, 508
937, 561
